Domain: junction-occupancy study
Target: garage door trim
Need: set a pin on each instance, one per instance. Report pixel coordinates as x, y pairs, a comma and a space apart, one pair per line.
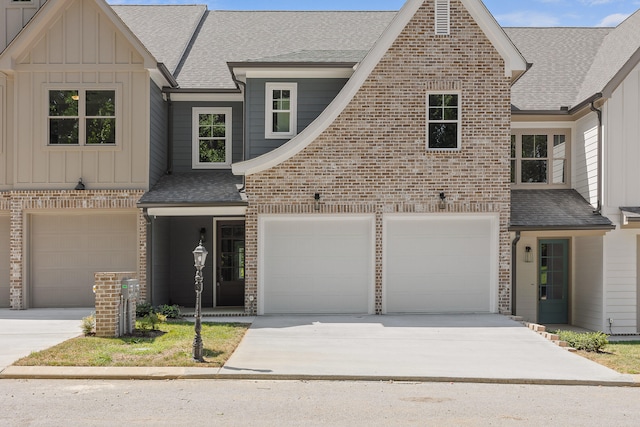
263, 220
493, 221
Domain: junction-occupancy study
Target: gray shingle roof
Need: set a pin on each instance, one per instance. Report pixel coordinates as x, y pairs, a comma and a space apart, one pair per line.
553, 210
195, 189
306, 56
561, 59
165, 30
228, 36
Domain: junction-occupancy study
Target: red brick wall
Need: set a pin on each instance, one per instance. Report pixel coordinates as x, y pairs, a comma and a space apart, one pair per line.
373, 158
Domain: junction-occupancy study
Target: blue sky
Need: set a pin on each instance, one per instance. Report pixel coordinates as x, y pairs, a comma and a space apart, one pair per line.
525, 13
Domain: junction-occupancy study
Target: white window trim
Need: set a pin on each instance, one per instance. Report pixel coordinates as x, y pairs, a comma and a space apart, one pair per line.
195, 141
550, 132
459, 121
268, 112
83, 88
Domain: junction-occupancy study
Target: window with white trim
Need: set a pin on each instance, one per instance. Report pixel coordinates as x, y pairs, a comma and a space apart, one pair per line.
212, 143
443, 121
281, 110
82, 117
539, 157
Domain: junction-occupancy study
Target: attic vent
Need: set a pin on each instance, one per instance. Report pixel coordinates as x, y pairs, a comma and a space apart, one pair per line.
443, 17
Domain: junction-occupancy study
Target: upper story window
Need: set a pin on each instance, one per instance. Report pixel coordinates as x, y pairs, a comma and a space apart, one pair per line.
212, 143
539, 157
281, 110
82, 117
443, 121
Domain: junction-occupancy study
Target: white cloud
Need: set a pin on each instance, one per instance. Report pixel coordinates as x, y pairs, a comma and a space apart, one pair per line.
527, 19
596, 2
613, 20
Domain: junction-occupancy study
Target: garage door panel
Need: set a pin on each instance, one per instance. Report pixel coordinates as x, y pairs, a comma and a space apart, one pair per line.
322, 265
435, 264
67, 250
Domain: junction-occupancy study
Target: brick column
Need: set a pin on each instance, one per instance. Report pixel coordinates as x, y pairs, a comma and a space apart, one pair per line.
108, 288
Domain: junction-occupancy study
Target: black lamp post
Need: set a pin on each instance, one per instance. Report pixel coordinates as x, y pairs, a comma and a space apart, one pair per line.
199, 257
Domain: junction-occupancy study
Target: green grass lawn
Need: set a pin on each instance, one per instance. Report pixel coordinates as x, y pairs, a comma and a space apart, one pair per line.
623, 357
171, 345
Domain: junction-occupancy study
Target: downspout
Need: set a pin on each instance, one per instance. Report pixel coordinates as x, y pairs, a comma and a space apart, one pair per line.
514, 259
598, 112
148, 268
244, 125
170, 134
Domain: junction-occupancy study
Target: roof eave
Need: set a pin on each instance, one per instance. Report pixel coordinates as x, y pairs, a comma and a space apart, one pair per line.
603, 227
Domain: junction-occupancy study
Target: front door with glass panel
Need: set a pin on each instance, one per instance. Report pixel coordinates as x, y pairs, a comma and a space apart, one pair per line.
230, 264
553, 265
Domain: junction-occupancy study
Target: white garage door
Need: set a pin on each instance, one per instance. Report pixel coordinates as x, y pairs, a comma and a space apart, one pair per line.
4, 261
67, 250
319, 264
440, 265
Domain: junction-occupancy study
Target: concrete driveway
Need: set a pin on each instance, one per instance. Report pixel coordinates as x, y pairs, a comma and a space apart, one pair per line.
25, 331
456, 347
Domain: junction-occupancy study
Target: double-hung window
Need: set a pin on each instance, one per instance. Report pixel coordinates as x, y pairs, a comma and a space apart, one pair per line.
539, 157
82, 117
443, 121
212, 143
281, 110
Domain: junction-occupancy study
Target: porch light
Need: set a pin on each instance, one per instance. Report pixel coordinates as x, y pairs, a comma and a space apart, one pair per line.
528, 254
80, 186
199, 258
442, 204
316, 197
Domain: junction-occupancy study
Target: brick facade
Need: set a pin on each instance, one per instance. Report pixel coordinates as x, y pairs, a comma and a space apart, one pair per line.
21, 203
373, 158
108, 290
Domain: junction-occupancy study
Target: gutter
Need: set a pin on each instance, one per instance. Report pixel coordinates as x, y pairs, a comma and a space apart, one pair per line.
169, 135
563, 228
244, 125
167, 75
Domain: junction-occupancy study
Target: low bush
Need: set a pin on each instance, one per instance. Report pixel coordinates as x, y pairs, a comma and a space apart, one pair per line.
143, 309
151, 321
88, 325
588, 341
171, 311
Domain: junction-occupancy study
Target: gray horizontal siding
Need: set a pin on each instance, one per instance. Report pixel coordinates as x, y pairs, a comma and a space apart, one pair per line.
313, 97
182, 132
158, 135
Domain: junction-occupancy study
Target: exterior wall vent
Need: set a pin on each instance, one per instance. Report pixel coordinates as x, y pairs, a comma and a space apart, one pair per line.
443, 17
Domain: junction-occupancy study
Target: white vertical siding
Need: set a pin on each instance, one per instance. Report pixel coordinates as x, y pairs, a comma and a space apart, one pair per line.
13, 17
587, 293
527, 280
82, 49
585, 158
621, 281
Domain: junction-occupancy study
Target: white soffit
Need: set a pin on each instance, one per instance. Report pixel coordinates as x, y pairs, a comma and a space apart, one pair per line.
515, 64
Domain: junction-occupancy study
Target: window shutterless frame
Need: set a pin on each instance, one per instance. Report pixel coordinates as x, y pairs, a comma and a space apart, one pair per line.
444, 121
212, 141
82, 116
281, 110
540, 158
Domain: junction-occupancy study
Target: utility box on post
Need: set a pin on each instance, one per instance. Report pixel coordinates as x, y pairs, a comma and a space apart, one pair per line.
129, 290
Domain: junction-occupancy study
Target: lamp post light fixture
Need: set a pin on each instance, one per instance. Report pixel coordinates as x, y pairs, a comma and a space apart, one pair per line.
199, 257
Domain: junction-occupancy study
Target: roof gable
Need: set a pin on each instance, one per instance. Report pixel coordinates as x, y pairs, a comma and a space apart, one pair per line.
49, 15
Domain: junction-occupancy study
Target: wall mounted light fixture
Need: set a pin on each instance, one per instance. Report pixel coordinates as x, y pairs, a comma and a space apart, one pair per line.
442, 204
80, 185
203, 234
528, 254
316, 197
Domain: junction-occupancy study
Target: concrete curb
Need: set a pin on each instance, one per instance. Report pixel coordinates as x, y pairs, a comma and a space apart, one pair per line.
122, 373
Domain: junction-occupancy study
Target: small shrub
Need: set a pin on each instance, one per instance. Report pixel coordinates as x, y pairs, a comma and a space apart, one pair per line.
171, 311
151, 321
143, 309
89, 325
588, 341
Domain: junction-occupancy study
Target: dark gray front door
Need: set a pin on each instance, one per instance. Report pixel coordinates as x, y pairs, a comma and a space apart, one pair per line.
230, 264
553, 305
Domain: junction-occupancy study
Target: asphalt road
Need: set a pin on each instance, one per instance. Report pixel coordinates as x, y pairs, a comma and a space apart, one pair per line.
297, 403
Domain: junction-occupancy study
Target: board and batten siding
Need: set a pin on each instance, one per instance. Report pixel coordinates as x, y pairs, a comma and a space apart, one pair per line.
182, 131
314, 95
587, 291
158, 135
81, 49
14, 15
621, 177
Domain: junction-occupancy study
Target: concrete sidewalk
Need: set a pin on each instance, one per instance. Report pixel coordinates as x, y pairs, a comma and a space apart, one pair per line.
462, 348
